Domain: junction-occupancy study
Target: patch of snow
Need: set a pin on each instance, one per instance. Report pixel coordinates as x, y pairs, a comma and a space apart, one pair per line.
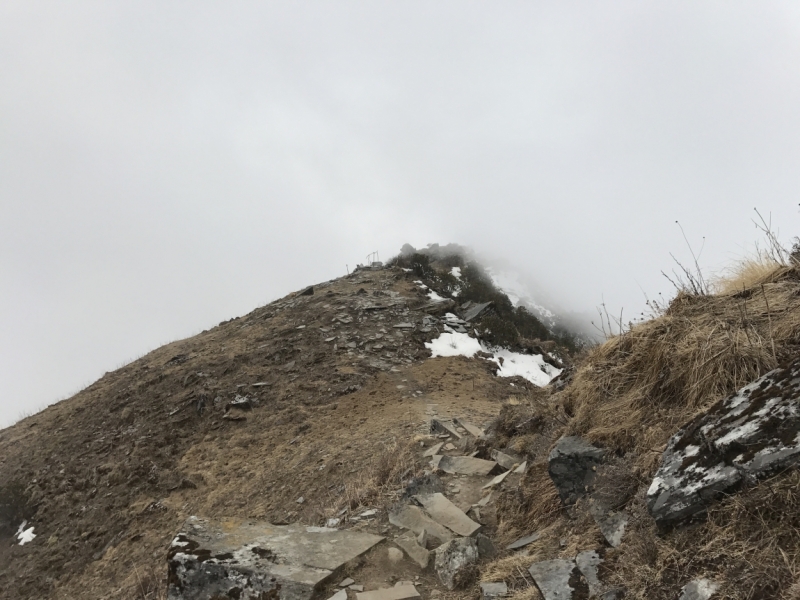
739, 432
530, 366
452, 343
691, 450
657, 483
25, 535
456, 272
435, 297
420, 284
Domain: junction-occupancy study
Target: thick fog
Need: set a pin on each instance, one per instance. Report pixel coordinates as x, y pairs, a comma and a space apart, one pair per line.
168, 165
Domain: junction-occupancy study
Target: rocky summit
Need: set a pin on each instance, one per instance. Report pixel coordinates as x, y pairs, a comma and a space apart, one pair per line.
407, 431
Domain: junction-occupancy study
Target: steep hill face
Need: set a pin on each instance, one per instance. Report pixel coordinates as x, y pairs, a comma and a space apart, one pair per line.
315, 396
417, 403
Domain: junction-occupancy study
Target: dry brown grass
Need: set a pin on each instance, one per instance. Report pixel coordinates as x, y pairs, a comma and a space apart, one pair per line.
749, 544
388, 470
749, 273
638, 388
635, 391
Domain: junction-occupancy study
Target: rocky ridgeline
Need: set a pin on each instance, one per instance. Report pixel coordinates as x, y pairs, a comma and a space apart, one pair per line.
439, 522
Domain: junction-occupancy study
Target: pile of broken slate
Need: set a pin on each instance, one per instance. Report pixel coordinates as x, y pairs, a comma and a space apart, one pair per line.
748, 436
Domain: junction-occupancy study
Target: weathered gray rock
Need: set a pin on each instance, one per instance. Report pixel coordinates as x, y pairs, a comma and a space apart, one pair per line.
559, 580
496, 481
699, 589
340, 595
466, 465
415, 519
453, 557
444, 426
475, 310
523, 541
471, 429
572, 465
744, 438
215, 558
486, 547
489, 591
416, 552
612, 524
400, 592
433, 450
506, 461
587, 562
448, 514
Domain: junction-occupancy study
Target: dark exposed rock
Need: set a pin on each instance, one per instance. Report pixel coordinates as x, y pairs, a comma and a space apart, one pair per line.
426, 484
237, 558
741, 439
572, 465
475, 310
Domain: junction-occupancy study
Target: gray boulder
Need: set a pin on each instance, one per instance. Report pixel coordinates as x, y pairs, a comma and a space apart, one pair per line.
572, 464
453, 558
746, 437
235, 558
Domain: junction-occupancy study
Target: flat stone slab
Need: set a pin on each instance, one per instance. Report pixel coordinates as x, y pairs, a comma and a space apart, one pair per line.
587, 562
523, 541
415, 519
433, 450
748, 436
394, 593
473, 430
444, 426
448, 514
494, 590
504, 460
497, 480
409, 544
559, 580
211, 558
475, 310
466, 465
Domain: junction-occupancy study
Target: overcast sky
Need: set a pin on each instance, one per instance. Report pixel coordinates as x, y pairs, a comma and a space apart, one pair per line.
168, 165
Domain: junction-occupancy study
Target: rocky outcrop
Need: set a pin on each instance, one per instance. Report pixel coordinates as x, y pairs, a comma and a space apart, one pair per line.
236, 558
572, 464
749, 435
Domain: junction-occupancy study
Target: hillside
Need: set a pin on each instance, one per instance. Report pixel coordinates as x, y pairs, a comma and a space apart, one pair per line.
326, 408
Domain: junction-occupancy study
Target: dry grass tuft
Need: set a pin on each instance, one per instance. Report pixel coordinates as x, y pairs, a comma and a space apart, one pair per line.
530, 507
750, 273
630, 395
638, 388
387, 472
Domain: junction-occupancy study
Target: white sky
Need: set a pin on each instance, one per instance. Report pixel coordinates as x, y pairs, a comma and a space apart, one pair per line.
167, 165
